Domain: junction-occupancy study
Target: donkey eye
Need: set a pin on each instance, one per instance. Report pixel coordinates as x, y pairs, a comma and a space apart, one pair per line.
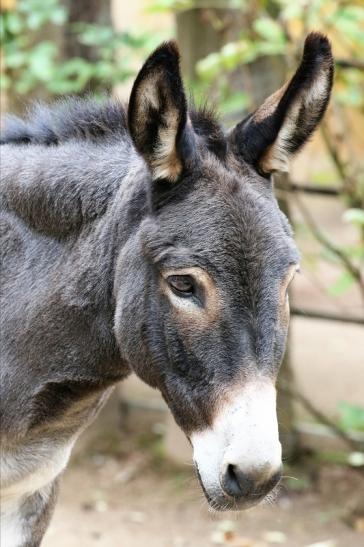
181, 285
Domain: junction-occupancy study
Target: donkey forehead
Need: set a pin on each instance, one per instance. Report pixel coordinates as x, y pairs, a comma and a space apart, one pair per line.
221, 220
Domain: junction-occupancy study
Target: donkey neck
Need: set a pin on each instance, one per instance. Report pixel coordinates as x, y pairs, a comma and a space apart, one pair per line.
72, 279
104, 238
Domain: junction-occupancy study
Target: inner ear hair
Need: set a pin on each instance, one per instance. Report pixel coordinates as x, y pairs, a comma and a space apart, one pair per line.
276, 130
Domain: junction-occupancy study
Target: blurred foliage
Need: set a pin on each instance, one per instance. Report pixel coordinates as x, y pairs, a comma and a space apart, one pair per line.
351, 417
283, 35
356, 216
335, 457
33, 58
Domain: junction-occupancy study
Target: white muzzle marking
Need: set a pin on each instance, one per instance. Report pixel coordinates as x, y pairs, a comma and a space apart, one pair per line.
244, 434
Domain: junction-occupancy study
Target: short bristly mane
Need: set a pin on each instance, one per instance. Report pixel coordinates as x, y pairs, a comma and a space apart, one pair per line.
72, 118
93, 120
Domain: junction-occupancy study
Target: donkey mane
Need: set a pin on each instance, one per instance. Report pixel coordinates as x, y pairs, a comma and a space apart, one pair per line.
67, 119
92, 120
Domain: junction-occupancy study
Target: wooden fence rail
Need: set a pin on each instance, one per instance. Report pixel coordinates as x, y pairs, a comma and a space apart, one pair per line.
326, 316
310, 189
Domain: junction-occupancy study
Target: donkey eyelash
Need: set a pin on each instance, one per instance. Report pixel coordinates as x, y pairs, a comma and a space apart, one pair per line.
182, 285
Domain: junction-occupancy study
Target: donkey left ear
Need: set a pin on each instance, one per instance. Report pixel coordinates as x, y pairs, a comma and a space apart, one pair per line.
275, 131
157, 113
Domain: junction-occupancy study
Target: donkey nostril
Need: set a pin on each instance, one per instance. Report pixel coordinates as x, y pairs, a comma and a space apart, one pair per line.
235, 483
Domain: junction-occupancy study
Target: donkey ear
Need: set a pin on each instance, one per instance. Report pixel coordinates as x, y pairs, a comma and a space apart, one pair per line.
277, 130
158, 111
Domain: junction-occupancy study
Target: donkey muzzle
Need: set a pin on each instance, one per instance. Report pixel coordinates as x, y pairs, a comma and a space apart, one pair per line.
239, 457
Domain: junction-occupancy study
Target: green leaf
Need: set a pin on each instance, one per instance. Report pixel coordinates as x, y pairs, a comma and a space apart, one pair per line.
134, 41
13, 23
342, 284
292, 10
235, 54
209, 67
351, 29
71, 77
42, 60
25, 83
268, 48
269, 29
351, 417
36, 20
59, 16
104, 71
351, 13
322, 177
5, 81
231, 56
236, 103
15, 59
95, 35
36, 61
161, 6
354, 216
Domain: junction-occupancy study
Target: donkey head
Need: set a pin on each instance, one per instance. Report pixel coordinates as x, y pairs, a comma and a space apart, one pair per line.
201, 288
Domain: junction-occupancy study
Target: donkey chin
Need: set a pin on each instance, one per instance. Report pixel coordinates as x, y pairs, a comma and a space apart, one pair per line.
239, 458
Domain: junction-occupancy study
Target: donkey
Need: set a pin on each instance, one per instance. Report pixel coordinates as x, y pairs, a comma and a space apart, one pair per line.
145, 239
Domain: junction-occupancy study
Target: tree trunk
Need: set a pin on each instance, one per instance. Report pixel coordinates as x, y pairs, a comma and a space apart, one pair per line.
197, 36
84, 11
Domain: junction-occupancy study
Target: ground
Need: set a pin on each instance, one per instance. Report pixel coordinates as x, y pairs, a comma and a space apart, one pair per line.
128, 495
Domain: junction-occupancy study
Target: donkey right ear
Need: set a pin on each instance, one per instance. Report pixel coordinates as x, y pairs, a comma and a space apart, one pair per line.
158, 112
269, 137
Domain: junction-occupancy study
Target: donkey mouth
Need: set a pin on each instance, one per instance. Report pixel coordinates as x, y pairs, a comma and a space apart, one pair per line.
219, 500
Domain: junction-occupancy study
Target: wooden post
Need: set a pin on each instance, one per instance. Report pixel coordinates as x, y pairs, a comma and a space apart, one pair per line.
197, 37
84, 11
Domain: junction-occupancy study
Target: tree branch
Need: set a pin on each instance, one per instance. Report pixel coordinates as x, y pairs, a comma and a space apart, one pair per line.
325, 242
320, 417
325, 316
309, 188
350, 63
